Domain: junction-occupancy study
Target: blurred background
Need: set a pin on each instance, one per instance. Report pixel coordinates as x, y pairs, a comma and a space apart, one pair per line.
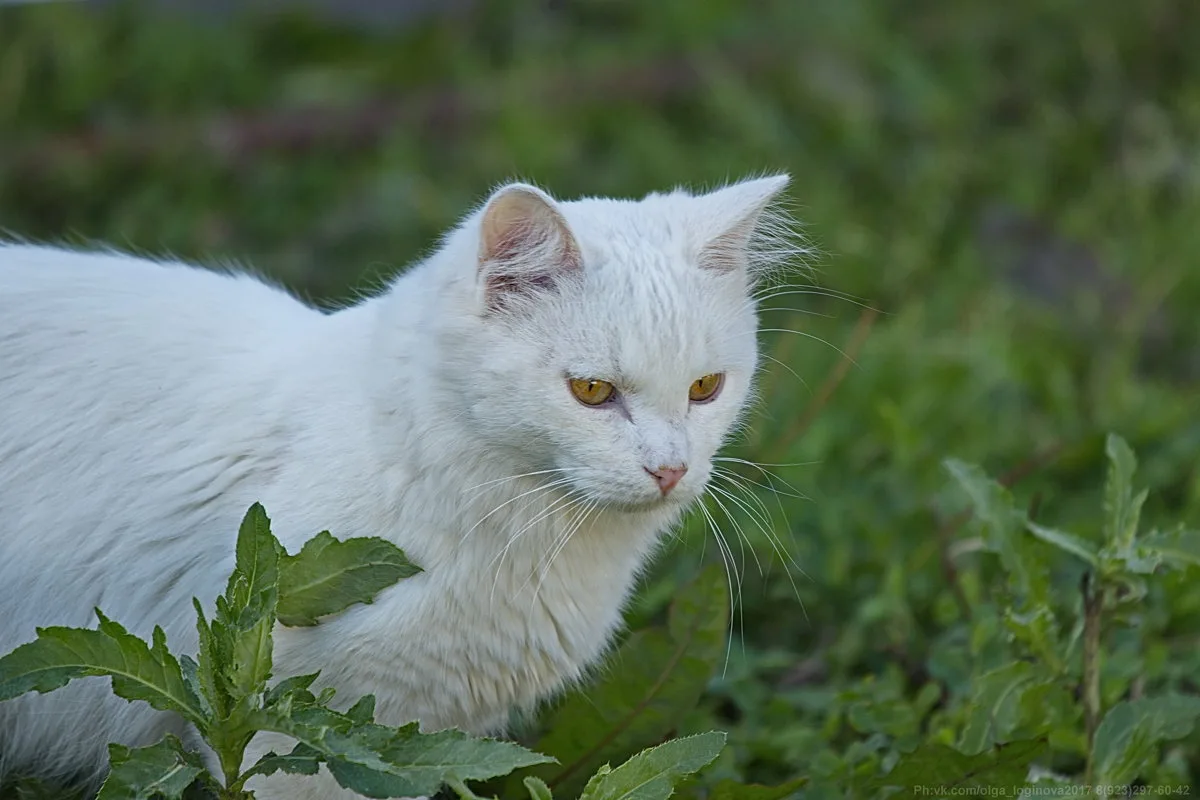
1004, 198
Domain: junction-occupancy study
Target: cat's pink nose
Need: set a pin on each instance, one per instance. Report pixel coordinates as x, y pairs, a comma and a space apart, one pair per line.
667, 477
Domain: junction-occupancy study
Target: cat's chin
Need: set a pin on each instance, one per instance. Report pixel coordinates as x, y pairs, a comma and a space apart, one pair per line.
651, 505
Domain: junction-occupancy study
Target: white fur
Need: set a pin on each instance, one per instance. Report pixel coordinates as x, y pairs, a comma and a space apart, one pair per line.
144, 406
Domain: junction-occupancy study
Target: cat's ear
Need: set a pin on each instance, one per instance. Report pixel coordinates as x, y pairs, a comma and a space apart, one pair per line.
736, 219
525, 245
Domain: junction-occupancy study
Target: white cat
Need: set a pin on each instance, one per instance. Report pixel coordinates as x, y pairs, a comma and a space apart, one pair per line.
524, 413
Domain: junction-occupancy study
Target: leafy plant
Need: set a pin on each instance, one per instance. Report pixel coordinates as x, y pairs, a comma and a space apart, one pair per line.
1017, 710
224, 692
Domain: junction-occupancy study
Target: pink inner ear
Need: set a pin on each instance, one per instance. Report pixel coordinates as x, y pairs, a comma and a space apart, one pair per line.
517, 241
726, 253
526, 245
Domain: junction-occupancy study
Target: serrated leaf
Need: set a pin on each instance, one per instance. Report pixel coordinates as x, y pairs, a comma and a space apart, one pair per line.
1121, 508
655, 678
328, 576
378, 761
363, 710
138, 671
191, 678
302, 760
296, 689
423, 762
245, 616
935, 771
538, 790
1067, 542
652, 774
995, 706
253, 583
1131, 731
732, 790
162, 771
204, 678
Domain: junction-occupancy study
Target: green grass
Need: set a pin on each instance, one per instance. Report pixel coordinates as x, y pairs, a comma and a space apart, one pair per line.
971, 171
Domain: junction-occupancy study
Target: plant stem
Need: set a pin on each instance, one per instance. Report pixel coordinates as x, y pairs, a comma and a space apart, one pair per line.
1093, 606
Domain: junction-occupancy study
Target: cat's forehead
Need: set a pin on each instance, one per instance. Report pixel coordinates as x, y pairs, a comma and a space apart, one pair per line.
625, 229
646, 312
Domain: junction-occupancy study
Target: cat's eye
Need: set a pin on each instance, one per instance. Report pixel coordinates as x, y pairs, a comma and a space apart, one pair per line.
706, 388
590, 391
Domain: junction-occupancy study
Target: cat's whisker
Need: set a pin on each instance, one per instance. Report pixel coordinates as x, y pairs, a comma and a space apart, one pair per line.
774, 292
769, 487
764, 525
494, 481
795, 374
789, 309
761, 467
562, 503
568, 532
773, 538
559, 544
715, 495
814, 337
730, 576
757, 510
742, 542
741, 484
543, 488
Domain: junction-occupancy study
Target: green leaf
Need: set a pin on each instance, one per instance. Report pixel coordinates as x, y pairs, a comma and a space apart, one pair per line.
1067, 542
294, 688
1179, 547
138, 671
1121, 508
378, 761
328, 576
191, 677
302, 760
652, 774
422, 762
538, 790
995, 706
732, 790
655, 678
163, 770
363, 710
1002, 522
1036, 628
934, 770
1129, 735
246, 614
204, 678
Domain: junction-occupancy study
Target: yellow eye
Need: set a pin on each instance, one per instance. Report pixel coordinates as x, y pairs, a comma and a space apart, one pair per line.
591, 392
706, 388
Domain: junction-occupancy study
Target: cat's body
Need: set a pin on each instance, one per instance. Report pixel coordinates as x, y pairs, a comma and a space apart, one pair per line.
145, 406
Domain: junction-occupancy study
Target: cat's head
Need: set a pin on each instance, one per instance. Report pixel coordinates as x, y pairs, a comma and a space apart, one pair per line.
614, 341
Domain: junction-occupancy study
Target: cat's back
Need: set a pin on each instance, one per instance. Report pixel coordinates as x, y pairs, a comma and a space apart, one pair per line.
132, 394
137, 328
97, 300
